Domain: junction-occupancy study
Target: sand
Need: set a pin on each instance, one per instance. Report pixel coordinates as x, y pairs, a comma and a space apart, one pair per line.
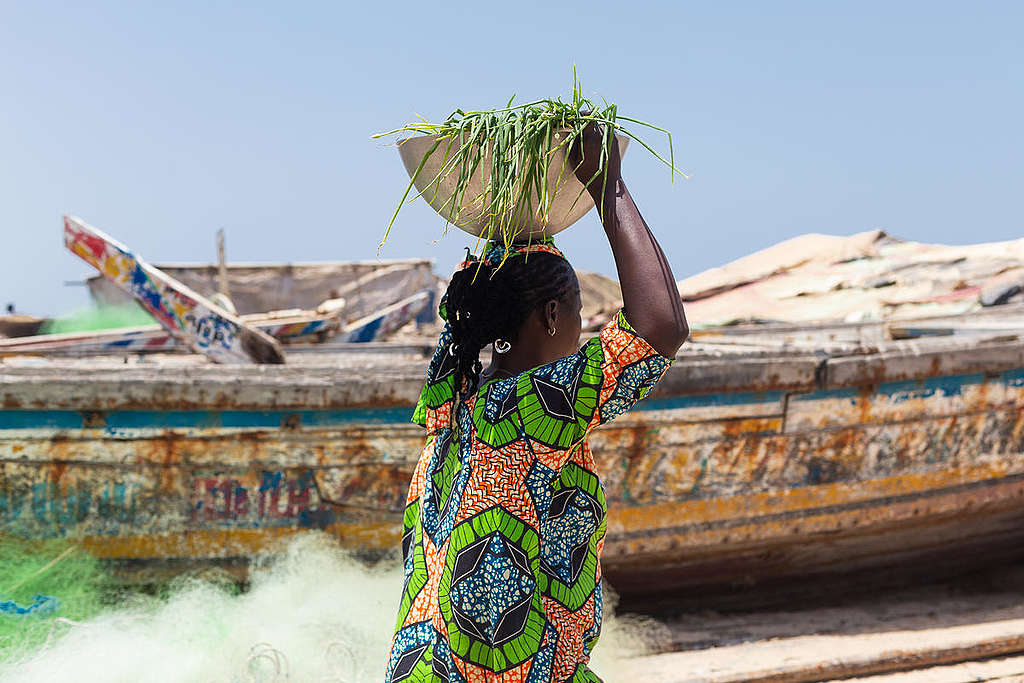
981, 617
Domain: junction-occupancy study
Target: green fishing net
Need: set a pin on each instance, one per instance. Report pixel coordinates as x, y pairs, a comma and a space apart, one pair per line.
105, 318
43, 583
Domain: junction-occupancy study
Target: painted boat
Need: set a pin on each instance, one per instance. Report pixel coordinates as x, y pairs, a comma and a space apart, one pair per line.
366, 286
192, 319
378, 325
753, 464
288, 327
772, 456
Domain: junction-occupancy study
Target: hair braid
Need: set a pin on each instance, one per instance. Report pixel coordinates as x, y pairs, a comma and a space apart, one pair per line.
485, 302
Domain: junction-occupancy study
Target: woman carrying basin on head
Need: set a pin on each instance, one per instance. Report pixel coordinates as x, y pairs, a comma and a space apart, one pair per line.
505, 517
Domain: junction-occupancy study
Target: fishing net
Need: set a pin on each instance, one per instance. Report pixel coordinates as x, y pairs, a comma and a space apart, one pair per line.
310, 612
44, 585
104, 318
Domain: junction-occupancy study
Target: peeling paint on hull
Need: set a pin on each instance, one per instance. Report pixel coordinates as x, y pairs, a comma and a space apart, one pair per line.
705, 489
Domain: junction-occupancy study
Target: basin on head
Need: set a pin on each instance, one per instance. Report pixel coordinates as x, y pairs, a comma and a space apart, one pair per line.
562, 183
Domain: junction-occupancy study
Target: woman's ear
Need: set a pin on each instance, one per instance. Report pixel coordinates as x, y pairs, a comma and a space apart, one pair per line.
551, 314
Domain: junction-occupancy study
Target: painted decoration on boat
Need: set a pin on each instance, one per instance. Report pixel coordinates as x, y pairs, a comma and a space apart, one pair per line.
189, 317
153, 338
382, 323
296, 329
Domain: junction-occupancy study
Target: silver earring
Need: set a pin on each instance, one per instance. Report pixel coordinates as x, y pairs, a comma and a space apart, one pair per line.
552, 331
501, 346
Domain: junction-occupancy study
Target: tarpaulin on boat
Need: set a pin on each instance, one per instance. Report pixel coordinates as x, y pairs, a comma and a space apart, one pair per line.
865, 277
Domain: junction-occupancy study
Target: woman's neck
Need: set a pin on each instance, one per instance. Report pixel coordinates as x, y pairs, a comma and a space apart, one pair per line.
510, 364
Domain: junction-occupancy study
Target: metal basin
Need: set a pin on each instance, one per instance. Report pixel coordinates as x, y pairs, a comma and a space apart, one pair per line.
562, 183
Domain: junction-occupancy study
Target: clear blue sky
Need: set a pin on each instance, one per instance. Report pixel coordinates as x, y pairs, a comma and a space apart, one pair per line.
162, 122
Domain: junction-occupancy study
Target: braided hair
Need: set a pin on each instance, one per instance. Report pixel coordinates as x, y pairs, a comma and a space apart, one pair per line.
485, 302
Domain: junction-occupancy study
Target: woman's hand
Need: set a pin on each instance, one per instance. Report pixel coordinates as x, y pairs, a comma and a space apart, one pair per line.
585, 157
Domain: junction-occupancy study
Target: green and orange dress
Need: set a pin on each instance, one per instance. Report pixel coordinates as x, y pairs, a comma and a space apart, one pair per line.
505, 518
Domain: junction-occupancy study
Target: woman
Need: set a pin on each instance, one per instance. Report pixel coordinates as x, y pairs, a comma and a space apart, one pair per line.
505, 518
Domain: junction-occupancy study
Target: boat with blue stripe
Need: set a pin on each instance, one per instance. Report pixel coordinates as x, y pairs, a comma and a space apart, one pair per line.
746, 467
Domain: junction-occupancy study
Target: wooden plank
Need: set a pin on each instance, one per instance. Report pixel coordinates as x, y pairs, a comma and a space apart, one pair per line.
707, 375
902, 361
818, 658
1008, 669
212, 387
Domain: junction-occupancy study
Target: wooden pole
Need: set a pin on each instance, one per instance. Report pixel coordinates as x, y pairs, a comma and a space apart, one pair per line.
222, 266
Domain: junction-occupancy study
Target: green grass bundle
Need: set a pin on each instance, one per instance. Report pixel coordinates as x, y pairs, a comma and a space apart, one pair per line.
517, 144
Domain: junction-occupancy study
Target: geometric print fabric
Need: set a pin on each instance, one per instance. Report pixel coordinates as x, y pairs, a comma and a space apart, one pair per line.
505, 519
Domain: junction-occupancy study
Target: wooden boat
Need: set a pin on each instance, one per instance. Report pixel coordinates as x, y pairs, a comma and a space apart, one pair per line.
744, 467
382, 323
770, 455
16, 325
366, 286
288, 327
189, 317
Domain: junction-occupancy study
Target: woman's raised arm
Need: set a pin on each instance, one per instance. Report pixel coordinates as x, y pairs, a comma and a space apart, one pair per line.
649, 292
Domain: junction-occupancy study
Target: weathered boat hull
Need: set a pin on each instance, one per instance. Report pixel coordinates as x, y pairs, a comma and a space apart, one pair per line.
781, 468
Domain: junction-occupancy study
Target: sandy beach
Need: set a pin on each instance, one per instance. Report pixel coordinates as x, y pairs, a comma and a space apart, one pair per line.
967, 629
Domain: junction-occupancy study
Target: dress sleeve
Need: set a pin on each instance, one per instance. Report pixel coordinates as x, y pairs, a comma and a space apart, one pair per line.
559, 403
626, 367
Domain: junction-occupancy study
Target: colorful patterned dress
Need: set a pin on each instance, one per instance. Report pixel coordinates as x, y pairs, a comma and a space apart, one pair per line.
505, 517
